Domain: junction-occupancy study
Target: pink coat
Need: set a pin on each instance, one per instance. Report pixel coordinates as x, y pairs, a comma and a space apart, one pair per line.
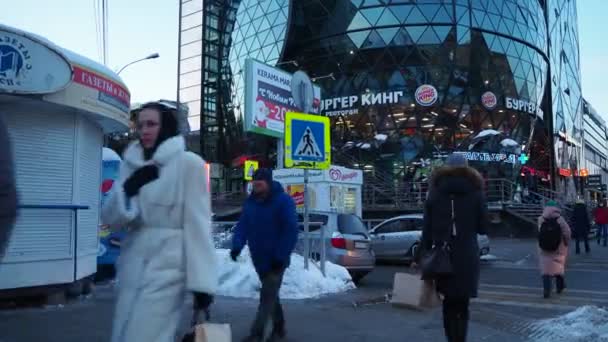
554, 263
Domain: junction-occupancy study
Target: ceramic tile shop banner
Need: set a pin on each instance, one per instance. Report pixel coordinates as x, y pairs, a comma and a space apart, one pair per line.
268, 98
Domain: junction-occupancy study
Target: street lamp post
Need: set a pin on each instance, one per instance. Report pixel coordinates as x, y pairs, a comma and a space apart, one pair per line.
152, 56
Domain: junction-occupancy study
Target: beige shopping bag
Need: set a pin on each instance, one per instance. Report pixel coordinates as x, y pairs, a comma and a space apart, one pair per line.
210, 332
412, 292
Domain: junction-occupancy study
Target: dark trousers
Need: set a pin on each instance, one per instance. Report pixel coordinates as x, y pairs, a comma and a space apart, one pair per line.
456, 318
560, 284
585, 239
270, 316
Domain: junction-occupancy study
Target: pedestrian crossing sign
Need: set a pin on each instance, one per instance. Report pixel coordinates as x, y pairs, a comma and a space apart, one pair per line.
307, 141
250, 167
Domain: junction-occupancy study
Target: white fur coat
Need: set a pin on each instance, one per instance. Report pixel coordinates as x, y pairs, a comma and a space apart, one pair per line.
169, 249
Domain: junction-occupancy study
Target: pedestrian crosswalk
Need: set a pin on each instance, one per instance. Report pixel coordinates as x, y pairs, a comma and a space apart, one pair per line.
523, 296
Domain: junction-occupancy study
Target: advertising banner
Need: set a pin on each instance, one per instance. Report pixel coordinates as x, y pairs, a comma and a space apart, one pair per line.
268, 98
109, 241
95, 93
296, 191
29, 66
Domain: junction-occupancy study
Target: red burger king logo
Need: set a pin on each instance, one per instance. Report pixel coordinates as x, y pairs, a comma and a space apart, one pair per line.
426, 95
489, 100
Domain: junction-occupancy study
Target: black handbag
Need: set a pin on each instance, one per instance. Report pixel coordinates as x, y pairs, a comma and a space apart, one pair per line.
437, 263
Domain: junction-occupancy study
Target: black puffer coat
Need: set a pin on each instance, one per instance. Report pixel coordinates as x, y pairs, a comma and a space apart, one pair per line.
465, 186
581, 223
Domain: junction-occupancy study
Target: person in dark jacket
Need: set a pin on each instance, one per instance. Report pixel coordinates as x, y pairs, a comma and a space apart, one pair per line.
268, 225
601, 220
581, 225
8, 188
461, 186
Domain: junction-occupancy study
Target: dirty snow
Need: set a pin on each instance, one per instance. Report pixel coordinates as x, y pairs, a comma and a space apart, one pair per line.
489, 257
238, 279
585, 324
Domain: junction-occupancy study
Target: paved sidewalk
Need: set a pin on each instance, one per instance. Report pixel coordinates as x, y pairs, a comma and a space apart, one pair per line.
328, 319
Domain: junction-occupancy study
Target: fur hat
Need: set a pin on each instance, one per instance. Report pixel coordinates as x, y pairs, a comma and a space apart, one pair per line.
263, 175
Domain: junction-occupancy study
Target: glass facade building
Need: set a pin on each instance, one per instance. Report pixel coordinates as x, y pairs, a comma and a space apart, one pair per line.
407, 82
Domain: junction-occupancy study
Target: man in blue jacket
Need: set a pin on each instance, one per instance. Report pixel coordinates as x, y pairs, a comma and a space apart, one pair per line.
269, 226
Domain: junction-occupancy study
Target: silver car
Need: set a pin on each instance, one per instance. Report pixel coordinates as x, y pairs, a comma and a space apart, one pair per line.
398, 238
347, 242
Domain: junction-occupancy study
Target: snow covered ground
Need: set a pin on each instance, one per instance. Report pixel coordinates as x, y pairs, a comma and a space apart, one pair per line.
586, 324
238, 279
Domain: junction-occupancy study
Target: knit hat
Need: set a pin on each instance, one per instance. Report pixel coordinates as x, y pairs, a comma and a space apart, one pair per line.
263, 175
457, 160
551, 203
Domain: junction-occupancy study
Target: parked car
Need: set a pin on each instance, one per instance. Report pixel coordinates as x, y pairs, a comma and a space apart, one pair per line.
347, 242
398, 238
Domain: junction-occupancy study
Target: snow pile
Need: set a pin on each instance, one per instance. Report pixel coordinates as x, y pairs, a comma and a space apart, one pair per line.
238, 279
587, 323
489, 257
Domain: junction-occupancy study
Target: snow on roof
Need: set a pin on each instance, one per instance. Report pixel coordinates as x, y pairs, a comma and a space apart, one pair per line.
71, 56
509, 143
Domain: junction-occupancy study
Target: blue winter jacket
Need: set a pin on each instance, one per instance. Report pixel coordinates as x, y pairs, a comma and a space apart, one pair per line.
269, 227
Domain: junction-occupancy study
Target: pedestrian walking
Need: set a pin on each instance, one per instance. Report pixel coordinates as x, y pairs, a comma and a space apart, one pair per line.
553, 239
581, 226
455, 213
8, 189
162, 196
268, 225
601, 220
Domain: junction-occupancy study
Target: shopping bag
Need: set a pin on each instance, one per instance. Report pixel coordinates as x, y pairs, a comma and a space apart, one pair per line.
412, 292
207, 332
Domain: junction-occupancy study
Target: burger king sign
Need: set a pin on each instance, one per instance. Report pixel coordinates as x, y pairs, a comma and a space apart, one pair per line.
489, 100
426, 95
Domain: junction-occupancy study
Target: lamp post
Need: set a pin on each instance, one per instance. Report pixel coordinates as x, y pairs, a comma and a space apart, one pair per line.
152, 56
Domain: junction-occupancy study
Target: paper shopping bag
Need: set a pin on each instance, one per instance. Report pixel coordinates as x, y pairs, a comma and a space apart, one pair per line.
412, 292
210, 332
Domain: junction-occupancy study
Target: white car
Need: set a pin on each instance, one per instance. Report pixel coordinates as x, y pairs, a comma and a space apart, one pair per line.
398, 238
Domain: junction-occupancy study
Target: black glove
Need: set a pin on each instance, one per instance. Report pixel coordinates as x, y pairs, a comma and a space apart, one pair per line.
277, 266
234, 255
139, 178
202, 300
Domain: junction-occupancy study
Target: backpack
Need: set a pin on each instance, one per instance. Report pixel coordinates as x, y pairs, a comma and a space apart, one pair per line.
550, 235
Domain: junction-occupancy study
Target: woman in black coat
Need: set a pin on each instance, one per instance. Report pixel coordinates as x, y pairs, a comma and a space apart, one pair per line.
462, 186
581, 225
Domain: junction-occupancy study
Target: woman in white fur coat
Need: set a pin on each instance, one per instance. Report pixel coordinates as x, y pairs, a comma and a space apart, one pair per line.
162, 196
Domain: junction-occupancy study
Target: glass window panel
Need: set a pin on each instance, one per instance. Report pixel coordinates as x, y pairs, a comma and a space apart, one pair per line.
429, 11
388, 34
191, 35
191, 7
443, 16
358, 37
190, 94
190, 79
373, 41
464, 35
416, 32
388, 19
190, 64
372, 14
190, 50
195, 122
401, 12
359, 22
192, 20
442, 32
402, 38
463, 16
416, 17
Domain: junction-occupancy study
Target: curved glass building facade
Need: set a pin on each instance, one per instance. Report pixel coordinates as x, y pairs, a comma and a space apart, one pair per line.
408, 82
